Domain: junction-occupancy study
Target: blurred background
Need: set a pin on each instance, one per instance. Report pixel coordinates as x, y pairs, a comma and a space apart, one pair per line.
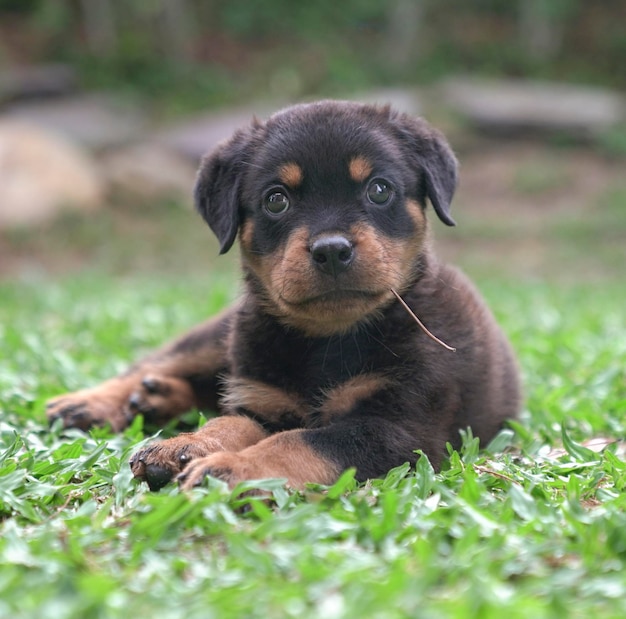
107, 105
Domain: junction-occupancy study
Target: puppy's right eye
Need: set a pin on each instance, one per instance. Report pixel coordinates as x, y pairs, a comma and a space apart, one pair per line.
276, 203
379, 192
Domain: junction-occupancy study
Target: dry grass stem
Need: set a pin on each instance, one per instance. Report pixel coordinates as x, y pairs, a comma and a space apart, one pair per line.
420, 323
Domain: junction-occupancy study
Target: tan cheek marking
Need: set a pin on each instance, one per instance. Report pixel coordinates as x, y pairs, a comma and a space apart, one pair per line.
264, 400
409, 249
292, 273
417, 215
263, 266
246, 234
370, 248
291, 175
343, 398
297, 247
390, 261
286, 455
284, 274
379, 263
360, 168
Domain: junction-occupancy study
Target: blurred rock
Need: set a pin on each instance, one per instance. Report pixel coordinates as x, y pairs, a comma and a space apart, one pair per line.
94, 121
50, 80
148, 171
42, 175
403, 100
196, 136
510, 107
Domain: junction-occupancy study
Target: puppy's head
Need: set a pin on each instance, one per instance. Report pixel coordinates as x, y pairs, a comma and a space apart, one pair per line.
329, 200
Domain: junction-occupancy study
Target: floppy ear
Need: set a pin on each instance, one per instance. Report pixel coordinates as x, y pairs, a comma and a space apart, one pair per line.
218, 182
430, 152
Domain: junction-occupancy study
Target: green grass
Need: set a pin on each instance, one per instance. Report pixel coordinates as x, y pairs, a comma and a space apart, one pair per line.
521, 530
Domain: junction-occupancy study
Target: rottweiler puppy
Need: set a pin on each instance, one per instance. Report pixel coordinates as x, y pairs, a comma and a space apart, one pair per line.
321, 365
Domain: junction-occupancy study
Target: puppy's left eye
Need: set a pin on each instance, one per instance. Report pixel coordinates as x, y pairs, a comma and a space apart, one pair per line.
379, 192
276, 203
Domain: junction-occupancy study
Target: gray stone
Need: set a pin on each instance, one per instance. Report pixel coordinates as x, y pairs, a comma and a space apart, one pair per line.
519, 106
38, 81
148, 171
403, 100
42, 175
196, 136
94, 121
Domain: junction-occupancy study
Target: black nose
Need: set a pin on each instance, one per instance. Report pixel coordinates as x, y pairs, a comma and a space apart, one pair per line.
332, 254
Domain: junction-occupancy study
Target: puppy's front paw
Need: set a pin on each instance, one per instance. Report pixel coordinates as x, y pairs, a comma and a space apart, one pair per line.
158, 463
161, 398
100, 406
227, 466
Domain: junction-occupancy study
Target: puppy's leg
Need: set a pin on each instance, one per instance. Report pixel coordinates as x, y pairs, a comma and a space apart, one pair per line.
373, 446
167, 383
159, 462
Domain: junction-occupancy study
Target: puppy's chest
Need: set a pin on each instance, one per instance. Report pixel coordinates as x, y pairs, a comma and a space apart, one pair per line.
289, 384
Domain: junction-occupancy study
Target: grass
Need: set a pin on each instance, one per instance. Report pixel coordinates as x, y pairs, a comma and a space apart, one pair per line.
535, 526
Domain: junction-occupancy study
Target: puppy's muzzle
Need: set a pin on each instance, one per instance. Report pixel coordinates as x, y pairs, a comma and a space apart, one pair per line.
332, 254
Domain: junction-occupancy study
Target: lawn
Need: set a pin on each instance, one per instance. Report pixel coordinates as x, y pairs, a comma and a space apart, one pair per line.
533, 526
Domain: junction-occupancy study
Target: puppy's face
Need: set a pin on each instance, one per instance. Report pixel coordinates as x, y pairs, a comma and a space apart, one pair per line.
328, 199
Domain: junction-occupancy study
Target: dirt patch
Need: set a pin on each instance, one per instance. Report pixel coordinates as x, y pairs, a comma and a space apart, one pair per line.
530, 182
539, 211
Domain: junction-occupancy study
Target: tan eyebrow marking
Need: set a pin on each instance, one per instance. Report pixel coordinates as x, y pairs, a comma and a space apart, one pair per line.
291, 175
360, 168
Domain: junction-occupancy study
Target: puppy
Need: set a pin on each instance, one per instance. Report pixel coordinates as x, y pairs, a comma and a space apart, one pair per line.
321, 366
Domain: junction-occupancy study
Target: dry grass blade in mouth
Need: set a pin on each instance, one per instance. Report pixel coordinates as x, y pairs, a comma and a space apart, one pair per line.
420, 323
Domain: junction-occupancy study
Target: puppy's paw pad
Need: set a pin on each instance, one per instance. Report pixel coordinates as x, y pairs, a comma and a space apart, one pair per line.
157, 476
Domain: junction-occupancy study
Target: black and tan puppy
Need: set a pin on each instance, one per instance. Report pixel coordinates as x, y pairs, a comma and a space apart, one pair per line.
319, 367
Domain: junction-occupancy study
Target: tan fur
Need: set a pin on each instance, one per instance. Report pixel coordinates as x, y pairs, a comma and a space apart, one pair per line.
263, 400
292, 273
295, 281
231, 432
342, 398
173, 397
417, 215
291, 281
360, 168
104, 404
118, 399
227, 433
291, 174
245, 235
278, 456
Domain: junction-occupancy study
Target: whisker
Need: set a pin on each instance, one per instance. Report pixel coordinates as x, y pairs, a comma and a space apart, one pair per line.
380, 341
330, 339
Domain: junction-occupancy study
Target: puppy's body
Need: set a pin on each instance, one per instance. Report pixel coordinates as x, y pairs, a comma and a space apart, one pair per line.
318, 367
